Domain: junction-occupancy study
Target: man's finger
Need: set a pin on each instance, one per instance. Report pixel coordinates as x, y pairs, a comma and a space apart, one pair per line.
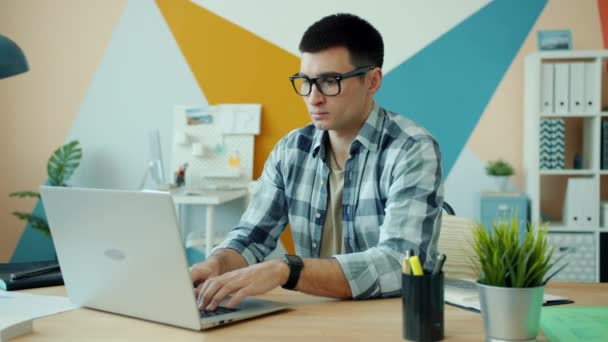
220, 295
237, 298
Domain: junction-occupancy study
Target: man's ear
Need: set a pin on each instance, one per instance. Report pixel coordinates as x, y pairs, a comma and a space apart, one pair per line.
375, 80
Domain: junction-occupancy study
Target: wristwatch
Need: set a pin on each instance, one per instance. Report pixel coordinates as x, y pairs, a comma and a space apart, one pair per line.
295, 266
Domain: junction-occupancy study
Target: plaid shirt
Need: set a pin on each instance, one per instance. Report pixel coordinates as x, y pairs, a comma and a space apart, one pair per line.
391, 202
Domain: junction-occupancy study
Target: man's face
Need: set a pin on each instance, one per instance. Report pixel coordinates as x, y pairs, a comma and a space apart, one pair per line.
346, 112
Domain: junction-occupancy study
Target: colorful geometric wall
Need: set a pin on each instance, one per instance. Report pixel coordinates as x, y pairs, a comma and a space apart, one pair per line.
446, 65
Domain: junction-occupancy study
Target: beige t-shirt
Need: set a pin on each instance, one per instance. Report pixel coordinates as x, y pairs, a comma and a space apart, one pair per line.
331, 240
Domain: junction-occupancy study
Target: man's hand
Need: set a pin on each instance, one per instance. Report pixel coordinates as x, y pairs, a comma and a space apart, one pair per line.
250, 281
212, 267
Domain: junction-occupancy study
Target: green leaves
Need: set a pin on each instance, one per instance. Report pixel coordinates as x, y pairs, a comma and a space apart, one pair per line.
61, 166
503, 260
499, 168
63, 163
24, 194
35, 221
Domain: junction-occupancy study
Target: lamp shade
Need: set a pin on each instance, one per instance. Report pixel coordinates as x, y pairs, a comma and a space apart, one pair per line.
12, 59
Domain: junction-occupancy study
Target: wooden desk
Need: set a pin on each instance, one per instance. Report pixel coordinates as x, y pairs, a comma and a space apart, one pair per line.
312, 319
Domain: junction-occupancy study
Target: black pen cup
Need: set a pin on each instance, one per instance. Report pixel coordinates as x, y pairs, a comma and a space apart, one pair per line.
422, 303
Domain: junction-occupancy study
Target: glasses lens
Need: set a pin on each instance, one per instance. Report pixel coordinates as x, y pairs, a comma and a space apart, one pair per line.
301, 85
328, 85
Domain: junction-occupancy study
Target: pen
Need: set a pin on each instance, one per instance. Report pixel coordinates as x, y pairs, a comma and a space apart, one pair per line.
34, 272
416, 267
439, 263
406, 262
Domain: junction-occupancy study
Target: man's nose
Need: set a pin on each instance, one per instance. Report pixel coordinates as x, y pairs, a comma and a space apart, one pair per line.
315, 96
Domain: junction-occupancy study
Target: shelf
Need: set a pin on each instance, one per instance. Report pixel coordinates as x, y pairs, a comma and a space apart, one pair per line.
603, 172
558, 228
568, 172
570, 115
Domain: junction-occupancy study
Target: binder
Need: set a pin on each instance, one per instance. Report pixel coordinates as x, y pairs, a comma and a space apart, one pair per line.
42, 280
591, 87
577, 88
581, 204
561, 98
547, 88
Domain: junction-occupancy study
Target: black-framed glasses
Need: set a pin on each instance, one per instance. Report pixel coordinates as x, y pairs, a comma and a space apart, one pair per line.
328, 85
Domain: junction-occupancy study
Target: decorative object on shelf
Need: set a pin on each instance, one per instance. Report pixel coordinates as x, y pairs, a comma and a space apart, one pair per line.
511, 274
552, 137
501, 171
604, 145
554, 39
60, 167
577, 163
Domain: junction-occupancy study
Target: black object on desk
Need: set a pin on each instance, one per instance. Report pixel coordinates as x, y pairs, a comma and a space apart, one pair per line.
422, 303
27, 275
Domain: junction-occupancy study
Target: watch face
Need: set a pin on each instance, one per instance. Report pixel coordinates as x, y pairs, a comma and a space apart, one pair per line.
293, 259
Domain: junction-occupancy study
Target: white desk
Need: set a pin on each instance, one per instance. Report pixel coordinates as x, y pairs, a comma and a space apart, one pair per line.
209, 199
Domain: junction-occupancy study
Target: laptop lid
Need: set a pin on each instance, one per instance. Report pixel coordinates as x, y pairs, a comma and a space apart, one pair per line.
121, 251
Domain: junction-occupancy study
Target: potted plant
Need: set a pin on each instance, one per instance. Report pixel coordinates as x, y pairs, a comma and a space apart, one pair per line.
60, 167
512, 275
500, 170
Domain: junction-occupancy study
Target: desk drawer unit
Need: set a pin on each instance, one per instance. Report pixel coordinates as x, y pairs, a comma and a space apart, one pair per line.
495, 208
579, 250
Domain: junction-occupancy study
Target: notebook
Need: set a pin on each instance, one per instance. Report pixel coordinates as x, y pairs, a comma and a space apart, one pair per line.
121, 252
52, 278
463, 293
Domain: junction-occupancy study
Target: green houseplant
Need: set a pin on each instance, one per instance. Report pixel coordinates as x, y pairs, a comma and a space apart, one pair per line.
60, 167
512, 274
500, 170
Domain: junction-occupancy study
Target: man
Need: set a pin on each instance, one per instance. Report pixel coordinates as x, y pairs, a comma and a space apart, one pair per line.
359, 186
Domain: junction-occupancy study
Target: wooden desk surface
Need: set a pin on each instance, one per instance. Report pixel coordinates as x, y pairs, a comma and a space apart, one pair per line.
312, 319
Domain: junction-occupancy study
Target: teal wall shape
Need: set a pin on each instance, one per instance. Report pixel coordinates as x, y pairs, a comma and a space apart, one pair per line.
446, 86
33, 245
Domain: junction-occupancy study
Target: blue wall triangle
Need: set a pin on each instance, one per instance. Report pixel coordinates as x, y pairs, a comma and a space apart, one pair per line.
446, 86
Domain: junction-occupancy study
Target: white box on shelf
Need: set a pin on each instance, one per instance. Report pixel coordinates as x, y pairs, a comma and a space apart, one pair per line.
580, 204
562, 88
604, 214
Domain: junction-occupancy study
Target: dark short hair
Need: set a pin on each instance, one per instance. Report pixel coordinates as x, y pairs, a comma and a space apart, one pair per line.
358, 36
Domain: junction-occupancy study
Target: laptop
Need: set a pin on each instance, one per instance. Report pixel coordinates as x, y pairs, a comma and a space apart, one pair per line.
121, 252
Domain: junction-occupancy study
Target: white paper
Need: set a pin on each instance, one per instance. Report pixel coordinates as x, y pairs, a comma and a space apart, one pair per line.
17, 307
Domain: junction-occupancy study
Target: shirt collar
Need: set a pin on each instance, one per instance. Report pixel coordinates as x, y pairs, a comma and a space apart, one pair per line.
368, 136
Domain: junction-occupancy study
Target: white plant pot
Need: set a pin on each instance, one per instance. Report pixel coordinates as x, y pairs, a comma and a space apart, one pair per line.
510, 314
501, 182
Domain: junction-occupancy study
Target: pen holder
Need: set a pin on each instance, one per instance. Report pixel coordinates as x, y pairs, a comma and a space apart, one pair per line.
422, 300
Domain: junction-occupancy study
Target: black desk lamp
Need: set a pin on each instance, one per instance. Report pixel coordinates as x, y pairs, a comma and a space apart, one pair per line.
12, 59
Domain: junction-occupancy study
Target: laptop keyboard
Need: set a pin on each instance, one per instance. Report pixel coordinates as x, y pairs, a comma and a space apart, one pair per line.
220, 310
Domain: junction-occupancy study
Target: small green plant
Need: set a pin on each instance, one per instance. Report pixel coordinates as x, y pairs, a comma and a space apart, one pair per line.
501, 259
60, 167
499, 168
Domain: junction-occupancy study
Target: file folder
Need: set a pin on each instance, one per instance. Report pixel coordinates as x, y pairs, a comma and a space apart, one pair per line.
577, 88
547, 88
581, 205
592, 86
562, 87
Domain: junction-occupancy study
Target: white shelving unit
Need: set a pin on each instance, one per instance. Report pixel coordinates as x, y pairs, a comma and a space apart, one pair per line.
546, 187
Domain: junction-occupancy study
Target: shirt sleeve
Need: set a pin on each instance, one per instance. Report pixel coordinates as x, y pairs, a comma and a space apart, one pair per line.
412, 220
258, 231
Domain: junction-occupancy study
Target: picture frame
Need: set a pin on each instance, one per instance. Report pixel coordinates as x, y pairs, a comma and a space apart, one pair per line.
549, 40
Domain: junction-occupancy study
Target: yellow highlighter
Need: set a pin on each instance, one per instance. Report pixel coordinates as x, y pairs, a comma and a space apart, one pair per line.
416, 267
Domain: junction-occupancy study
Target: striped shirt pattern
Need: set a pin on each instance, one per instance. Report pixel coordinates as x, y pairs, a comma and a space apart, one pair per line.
392, 199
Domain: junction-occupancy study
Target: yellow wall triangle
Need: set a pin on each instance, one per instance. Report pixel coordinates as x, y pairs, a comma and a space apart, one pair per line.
232, 65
